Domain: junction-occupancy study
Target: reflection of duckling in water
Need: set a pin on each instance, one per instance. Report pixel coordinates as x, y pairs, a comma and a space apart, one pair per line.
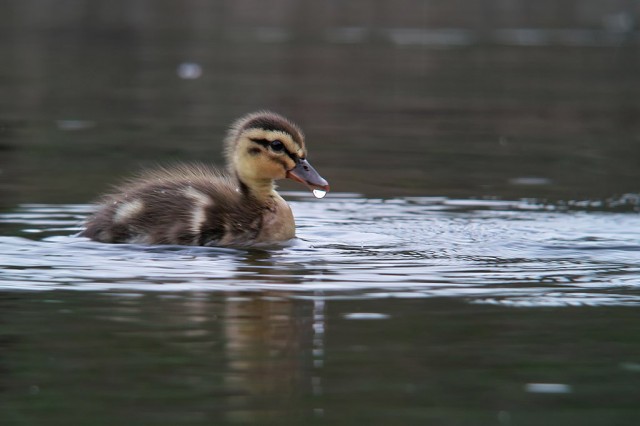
197, 205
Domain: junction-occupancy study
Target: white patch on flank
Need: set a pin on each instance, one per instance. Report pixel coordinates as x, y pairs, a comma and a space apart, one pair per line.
128, 210
201, 202
139, 239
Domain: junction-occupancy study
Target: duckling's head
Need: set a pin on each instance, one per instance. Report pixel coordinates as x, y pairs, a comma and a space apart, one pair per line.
264, 146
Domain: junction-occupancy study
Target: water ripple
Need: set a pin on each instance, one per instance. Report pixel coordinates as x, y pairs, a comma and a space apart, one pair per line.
484, 251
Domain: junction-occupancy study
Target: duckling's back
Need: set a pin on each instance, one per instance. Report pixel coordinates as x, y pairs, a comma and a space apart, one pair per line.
188, 205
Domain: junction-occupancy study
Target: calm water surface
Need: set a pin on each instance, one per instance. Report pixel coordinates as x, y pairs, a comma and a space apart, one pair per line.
478, 262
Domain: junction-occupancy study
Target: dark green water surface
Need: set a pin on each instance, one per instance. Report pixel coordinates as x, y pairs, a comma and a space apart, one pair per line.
214, 358
476, 263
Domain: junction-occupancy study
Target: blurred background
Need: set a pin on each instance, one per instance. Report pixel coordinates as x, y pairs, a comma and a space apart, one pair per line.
483, 98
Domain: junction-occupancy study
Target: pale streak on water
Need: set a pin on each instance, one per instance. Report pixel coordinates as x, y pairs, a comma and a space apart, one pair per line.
349, 247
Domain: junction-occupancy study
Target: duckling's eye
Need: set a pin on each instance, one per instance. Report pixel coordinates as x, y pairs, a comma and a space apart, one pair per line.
277, 145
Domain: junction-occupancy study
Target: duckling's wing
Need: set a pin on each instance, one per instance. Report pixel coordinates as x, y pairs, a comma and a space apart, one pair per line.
185, 205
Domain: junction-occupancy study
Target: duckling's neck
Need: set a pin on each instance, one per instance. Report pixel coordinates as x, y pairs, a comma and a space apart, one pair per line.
261, 189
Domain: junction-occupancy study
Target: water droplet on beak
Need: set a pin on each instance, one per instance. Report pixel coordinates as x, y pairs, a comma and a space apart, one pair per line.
319, 193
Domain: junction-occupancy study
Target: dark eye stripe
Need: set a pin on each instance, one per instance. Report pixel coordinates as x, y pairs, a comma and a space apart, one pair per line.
266, 143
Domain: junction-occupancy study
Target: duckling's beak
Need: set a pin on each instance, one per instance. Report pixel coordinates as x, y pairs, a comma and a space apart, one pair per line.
304, 173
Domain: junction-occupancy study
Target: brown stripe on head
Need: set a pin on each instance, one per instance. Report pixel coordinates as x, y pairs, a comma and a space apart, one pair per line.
275, 122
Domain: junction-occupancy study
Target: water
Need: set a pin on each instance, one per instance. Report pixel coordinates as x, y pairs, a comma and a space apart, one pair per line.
445, 310
481, 251
319, 193
475, 263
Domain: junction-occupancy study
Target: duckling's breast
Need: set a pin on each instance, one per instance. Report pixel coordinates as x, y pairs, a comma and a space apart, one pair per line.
278, 223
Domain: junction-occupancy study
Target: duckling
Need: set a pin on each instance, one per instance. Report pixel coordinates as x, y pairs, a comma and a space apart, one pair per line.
199, 205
